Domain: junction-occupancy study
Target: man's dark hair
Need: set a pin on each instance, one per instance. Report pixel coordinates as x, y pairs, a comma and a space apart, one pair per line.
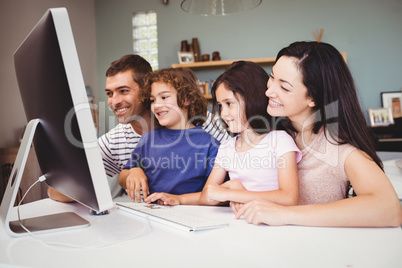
137, 64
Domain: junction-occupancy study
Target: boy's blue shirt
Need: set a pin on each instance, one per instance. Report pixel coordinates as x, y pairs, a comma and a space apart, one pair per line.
175, 161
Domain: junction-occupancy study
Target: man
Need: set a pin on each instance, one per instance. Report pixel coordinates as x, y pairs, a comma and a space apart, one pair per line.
124, 80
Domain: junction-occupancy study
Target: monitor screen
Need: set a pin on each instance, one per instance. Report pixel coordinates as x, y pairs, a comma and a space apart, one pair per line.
53, 92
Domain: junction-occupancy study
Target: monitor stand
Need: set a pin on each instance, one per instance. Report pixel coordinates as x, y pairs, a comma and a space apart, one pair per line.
41, 224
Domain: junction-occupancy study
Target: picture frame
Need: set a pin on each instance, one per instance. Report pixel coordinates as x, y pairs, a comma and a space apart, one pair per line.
203, 88
392, 99
185, 57
380, 116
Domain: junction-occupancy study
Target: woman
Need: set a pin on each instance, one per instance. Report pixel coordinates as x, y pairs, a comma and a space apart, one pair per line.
312, 87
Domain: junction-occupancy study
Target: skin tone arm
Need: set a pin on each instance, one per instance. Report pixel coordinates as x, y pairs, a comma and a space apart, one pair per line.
376, 203
134, 180
55, 195
215, 179
173, 200
287, 194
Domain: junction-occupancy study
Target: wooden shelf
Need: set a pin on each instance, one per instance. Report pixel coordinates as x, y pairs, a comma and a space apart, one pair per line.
221, 63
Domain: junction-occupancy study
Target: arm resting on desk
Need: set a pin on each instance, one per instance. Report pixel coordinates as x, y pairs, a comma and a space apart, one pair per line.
376, 203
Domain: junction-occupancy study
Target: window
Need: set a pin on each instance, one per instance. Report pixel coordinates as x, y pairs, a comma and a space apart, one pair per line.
145, 36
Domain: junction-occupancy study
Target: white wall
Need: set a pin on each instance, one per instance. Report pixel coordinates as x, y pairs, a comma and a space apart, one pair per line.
17, 18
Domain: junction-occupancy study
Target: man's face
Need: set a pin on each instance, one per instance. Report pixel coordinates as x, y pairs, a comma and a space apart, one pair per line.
123, 97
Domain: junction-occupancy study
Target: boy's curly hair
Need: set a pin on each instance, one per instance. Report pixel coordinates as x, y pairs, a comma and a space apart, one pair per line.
185, 82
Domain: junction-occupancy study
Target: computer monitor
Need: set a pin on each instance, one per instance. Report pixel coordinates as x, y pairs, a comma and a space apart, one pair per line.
60, 125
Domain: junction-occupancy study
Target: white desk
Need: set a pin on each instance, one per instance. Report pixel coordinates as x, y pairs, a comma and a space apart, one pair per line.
239, 245
394, 174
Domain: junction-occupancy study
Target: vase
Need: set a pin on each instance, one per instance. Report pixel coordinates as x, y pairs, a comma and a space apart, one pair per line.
196, 48
184, 46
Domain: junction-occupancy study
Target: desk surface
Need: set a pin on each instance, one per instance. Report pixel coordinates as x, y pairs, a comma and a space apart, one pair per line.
394, 174
124, 240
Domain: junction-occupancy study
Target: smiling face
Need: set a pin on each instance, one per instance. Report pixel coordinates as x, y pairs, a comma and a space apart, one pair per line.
232, 110
287, 93
123, 97
165, 108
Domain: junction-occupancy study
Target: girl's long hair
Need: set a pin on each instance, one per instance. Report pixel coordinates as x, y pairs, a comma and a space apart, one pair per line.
247, 80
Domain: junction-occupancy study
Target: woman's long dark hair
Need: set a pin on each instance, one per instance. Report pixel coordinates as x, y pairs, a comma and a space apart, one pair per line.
249, 81
330, 84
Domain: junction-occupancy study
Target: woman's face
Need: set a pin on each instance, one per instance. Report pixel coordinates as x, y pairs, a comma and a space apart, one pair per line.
287, 93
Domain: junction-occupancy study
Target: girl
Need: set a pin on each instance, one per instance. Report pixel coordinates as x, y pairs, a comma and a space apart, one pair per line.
312, 86
178, 157
261, 163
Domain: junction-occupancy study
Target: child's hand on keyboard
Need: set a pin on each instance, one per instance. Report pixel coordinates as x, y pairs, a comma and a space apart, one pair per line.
163, 199
135, 181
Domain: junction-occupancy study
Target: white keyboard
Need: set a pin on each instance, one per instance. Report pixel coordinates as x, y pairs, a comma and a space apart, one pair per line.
169, 216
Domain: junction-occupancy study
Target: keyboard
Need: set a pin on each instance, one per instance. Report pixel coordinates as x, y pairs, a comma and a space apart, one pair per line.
171, 217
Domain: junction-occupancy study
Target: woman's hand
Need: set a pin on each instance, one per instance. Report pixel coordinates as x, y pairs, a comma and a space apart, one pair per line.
236, 206
257, 212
